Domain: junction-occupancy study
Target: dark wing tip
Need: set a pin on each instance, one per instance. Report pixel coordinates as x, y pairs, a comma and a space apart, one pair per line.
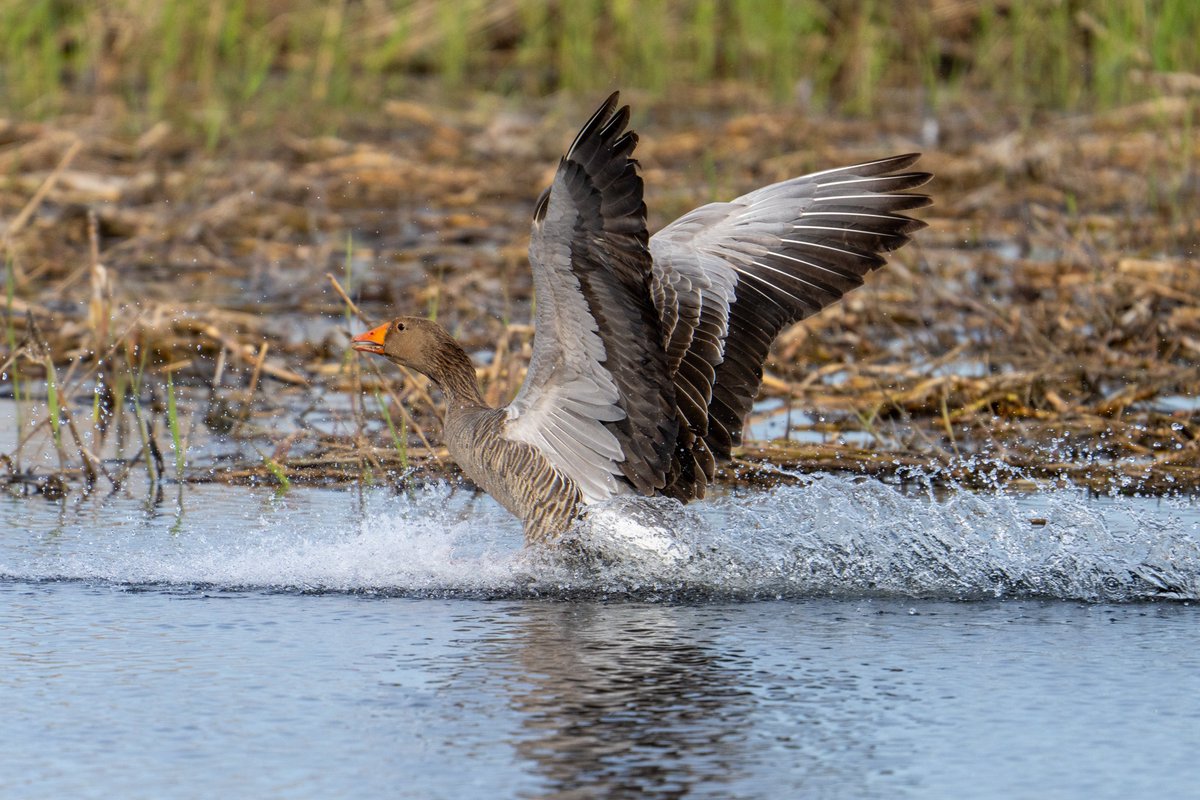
885, 166
604, 120
599, 117
901, 161
616, 123
891, 167
543, 201
908, 202
909, 180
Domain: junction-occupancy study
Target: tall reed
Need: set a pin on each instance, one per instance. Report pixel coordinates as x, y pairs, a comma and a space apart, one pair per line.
222, 65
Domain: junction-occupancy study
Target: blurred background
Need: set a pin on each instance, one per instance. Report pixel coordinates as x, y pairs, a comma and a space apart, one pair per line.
226, 67
182, 184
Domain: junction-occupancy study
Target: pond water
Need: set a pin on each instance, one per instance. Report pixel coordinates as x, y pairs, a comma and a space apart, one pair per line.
839, 638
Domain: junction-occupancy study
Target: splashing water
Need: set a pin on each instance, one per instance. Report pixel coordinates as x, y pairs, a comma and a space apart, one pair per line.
829, 536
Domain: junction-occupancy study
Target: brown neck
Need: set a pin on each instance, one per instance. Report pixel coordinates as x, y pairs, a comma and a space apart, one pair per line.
451, 369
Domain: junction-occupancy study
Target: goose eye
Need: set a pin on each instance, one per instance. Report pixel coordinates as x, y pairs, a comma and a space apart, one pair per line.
399, 326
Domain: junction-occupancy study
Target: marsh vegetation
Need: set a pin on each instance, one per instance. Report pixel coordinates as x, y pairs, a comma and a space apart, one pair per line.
201, 202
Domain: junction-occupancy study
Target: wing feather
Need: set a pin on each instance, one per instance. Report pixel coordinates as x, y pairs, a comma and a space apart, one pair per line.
730, 276
598, 400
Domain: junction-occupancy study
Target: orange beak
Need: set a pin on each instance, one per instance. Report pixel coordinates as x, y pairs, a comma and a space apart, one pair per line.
371, 341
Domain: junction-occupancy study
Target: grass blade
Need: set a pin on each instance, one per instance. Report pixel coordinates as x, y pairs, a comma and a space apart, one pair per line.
399, 439
173, 424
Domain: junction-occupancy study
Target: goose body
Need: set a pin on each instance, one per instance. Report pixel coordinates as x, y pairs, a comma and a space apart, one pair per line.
648, 351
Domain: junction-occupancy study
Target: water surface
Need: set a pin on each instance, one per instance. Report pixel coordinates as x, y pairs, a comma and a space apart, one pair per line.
842, 638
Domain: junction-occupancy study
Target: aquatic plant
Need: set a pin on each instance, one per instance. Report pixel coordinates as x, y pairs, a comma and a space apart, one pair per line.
399, 438
173, 426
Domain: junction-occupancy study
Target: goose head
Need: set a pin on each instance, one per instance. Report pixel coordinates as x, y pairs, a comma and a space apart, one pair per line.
428, 348
408, 341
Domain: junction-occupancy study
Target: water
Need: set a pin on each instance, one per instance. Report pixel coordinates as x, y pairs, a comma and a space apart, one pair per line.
842, 638
772, 419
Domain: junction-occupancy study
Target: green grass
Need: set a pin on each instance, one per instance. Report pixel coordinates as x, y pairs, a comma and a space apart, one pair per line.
10, 333
116, 414
277, 471
140, 420
52, 406
399, 438
227, 65
173, 425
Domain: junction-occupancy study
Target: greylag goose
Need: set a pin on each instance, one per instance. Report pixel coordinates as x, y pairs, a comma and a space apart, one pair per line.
649, 350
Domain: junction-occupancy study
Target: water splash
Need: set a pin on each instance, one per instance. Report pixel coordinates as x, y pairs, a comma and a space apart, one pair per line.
829, 536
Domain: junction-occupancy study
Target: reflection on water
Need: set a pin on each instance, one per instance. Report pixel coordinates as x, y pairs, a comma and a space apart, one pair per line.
619, 699
666, 701
176, 692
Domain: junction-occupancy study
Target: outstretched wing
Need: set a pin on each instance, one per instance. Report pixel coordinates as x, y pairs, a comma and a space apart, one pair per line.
728, 277
598, 400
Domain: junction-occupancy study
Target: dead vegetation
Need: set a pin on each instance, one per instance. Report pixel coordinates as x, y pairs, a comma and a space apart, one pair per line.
1048, 319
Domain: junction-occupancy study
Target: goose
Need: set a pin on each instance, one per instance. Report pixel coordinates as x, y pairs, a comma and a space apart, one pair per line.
648, 351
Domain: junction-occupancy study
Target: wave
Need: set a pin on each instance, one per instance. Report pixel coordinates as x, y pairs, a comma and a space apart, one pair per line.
828, 536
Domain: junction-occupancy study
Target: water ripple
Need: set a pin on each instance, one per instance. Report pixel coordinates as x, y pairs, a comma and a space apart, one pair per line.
833, 536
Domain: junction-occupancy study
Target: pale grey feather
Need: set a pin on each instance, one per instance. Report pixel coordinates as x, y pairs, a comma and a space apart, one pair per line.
785, 251
598, 400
